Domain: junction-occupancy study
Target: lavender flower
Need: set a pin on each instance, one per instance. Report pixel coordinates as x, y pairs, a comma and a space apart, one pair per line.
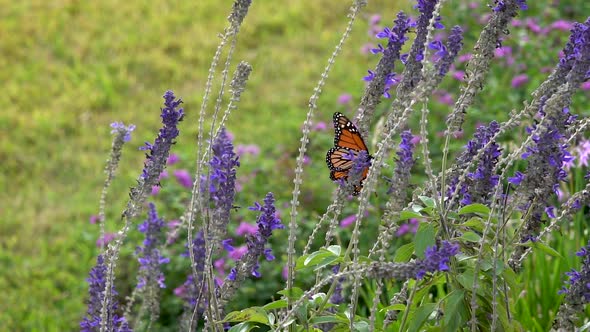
413, 71
381, 80
122, 130
158, 152
195, 290
248, 263
97, 283
577, 295
149, 256
546, 157
400, 180
436, 259
480, 184
222, 184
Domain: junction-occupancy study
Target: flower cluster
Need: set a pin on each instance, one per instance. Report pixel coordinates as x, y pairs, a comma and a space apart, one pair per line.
158, 152
437, 259
222, 181
577, 295
384, 78
479, 185
400, 180
92, 321
149, 256
192, 291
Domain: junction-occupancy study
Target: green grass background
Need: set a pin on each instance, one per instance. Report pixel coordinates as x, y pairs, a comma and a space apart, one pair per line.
68, 69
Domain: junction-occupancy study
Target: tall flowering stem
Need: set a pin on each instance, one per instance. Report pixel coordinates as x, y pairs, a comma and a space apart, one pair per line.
248, 264
122, 135
150, 277
93, 320
222, 184
380, 81
194, 291
153, 166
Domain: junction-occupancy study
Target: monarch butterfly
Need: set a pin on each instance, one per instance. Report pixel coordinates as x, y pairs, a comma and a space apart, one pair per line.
348, 144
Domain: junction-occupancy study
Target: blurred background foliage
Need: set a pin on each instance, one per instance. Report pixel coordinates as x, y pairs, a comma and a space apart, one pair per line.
70, 68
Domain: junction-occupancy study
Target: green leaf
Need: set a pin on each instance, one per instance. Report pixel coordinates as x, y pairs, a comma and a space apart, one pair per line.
420, 316
279, 304
476, 223
253, 314
425, 237
453, 303
547, 249
475, 208
404, 253
471, 237
427, 201
397, 306
243, 327
322, 257
296, 293
405, 215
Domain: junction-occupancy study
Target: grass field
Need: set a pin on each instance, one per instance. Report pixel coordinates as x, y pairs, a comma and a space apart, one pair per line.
71, 68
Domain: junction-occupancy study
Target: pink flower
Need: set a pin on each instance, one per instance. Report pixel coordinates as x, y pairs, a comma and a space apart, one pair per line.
93, 219
533, 25
320, 126
251, 149
416, 139
184, 178
180, 291
173, 224
285, 272
238, 252
586, 86
306, 160
348, 221
410, 227
155, 190
366, 48
163, 175
459, 75
220, 266
465, 57
108, 237
444, 97
374, 19
519, 80
561, 25
172, 159
344, 99
246, 228
583, 152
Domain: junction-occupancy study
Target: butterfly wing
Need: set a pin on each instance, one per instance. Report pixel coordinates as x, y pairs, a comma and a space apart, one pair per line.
346, 134
340, 159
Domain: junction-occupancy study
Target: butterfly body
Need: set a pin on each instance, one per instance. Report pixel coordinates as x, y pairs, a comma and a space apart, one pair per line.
348, 146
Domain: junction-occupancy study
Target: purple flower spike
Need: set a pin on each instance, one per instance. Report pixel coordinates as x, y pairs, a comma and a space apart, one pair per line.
578, 292
437, 259
97, 284
148, 255
121, 129
222, 181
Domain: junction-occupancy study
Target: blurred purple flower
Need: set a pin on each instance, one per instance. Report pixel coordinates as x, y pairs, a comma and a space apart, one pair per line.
562, 25
246, 228
374, 19
93, 219
519, 80
155, 190
344, 99
348, 221
238, 252
586, 86
459, 75
163, 175
251, 149
465, 57
172, 159
410, 227
106, 239
184, 178
320, 126
444, 97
